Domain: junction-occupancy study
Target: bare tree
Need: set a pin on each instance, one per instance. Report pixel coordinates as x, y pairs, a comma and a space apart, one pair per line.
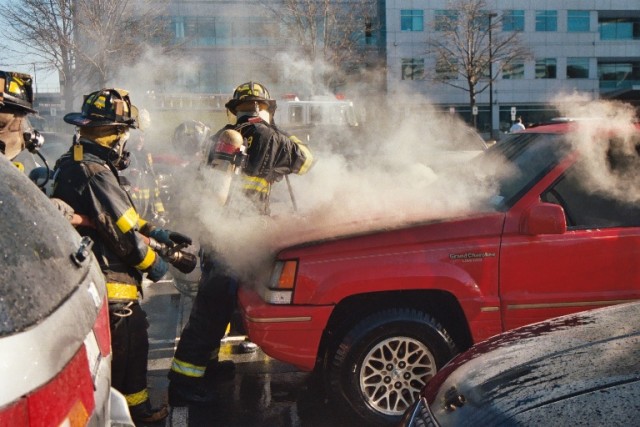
44, 29
111, 34
331, 35
86, 41
469, 50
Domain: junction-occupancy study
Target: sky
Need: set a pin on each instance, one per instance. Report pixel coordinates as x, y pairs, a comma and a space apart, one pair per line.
45, 80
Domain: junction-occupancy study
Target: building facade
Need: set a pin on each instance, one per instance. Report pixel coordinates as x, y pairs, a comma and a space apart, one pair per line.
588, 46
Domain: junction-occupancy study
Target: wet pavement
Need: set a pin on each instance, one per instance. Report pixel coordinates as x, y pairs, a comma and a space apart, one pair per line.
264, 392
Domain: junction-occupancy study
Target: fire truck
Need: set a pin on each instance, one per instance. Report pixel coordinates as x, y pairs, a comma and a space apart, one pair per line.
324, 122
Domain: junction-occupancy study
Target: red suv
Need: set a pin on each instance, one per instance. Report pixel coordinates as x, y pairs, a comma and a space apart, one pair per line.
380, 312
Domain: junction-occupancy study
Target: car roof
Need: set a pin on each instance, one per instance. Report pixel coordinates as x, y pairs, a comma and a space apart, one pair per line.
564, 125
36, 244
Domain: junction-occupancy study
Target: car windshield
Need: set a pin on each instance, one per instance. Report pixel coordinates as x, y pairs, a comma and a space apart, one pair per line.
528, 157
36, 244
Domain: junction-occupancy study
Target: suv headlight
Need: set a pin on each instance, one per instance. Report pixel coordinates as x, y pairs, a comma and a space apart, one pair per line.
282, 283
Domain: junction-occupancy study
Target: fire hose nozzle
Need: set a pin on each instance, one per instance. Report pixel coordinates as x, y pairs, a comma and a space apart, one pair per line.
184, 261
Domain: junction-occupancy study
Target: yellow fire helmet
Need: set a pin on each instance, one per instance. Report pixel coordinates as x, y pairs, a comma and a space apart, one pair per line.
106, 107
16, 91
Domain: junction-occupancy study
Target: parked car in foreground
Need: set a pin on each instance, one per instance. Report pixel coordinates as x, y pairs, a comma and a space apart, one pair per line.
580, 369
55, 349
378, 312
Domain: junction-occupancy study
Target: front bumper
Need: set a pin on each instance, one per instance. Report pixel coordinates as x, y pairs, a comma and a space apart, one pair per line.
289, 333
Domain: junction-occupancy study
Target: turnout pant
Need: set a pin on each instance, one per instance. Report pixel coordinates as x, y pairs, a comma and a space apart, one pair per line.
212, 309
130, 347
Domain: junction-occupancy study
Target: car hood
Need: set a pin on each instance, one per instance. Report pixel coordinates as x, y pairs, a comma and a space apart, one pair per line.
543, 370
451, 226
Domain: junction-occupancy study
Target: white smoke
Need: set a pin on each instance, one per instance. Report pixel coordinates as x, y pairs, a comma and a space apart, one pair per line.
606, 132
406, 163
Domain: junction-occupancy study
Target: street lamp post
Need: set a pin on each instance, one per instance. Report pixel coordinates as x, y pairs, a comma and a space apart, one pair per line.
491, 15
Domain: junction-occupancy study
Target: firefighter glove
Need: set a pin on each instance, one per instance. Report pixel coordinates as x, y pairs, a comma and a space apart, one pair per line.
157, 270
168, 237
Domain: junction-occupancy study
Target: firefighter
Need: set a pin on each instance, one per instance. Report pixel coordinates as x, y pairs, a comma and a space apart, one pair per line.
87, 178
144, 186
16, 103
269, 155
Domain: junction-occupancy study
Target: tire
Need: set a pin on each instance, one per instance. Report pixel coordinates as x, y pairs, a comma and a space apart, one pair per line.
383, 362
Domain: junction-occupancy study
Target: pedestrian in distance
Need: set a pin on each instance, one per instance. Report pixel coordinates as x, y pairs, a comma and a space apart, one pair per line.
262, 155
87, 178
517, 126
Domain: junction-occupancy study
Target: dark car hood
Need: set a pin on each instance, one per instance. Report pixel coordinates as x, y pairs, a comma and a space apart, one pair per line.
561, 366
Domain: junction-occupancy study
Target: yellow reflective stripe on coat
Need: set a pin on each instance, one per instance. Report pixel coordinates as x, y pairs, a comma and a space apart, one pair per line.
121, 291
19, 165
128, 220
137, 398
308, 159
187, 369
148, 260
254, 183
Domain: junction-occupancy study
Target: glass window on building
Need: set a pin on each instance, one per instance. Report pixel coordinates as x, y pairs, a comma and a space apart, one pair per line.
619, 28
578, 21
411, 20
447, 69
514, 70
546, 20
206, 31
577, 68
445, 20
223, 32
412, 69
546, 68
618, 75
178, 26
513, 20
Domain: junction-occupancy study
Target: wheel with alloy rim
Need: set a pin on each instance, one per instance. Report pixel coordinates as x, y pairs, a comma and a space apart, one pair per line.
383, 362
394, 372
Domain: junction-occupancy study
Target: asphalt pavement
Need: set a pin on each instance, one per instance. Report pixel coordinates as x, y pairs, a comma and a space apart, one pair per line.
264, 392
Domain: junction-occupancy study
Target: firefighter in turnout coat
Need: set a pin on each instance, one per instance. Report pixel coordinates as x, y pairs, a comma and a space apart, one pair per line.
265, 155
87, 178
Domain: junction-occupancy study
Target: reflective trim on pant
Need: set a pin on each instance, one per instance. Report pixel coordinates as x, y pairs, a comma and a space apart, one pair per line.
187, 369
121, 291
137, 398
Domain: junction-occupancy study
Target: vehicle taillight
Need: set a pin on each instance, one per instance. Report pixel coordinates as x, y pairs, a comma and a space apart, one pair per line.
101, 329
66, 400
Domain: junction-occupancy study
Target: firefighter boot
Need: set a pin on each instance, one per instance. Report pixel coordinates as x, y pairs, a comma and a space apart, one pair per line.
184, 391
144, 413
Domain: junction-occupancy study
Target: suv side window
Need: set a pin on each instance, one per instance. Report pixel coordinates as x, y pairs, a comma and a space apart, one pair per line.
587, 210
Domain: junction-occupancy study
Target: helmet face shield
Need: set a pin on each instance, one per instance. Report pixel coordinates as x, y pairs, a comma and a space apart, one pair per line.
16, 91
190, 137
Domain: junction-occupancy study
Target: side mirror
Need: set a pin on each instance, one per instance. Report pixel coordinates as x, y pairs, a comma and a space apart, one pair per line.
544, 218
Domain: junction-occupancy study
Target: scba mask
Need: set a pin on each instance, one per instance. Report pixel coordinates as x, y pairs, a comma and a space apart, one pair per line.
122, 157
